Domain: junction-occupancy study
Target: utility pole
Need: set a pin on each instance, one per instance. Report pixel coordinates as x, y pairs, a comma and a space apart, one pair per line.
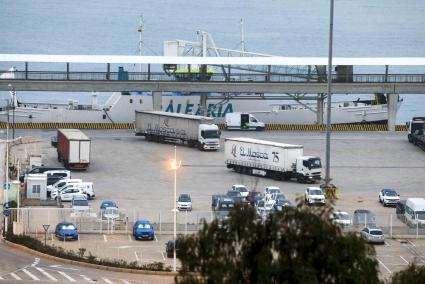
329, 101
141, 30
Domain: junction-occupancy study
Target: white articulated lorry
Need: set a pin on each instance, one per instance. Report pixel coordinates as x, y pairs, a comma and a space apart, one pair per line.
160, 126
271, 159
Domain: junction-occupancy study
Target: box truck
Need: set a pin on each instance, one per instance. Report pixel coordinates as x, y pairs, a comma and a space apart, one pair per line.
160, 126
271, 159
73, 149
243, 121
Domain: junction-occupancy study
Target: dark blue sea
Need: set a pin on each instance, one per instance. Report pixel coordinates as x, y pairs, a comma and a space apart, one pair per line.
373, 28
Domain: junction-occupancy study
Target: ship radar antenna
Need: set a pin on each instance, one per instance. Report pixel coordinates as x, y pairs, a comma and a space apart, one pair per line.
140, 29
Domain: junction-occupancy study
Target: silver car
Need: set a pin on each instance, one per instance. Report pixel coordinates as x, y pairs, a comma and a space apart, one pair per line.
373, 235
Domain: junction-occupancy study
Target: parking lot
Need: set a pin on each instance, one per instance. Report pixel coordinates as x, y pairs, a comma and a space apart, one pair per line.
135, 174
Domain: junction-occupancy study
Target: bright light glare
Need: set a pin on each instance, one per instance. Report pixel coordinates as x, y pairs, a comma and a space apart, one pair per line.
175, 165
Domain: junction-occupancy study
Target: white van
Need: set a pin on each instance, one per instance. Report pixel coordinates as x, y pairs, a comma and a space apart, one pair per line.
87, 188
60, 184
243, 121
415, 212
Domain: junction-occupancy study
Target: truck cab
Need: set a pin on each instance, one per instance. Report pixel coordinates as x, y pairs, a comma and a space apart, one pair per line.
243, 121
308, 169
416, 124
209, 137
415, 212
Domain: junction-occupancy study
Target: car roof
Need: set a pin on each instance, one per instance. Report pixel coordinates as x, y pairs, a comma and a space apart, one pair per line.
108, 201
239, 185
374, 229
314, 187
341, 212
362, 211
65, 223
273, 187
143, 222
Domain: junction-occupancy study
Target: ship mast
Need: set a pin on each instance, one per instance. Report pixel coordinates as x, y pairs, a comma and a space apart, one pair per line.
140, 30
242, 38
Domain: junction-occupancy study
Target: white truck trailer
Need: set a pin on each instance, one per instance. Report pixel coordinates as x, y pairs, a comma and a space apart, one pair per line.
160, 126
73, 149
243, 121
271, 159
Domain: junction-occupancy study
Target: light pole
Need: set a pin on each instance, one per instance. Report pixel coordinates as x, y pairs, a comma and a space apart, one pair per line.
175, 165
13, 94
329, 101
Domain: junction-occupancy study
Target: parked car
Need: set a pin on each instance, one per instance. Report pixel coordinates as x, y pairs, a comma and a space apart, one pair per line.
62, 173
252, 196
184, 202
80, 203
108, 203
39, 170
372, 235
364, 217
264, 208
240, 200
268, 191
110, 213
232, 193
52, 179
341, 218
60, 184
281, 201
143, 229
88, 189
400, 209
388, 197
66, 231
69, 193
215, 198
314, 195
241, 189
169, 248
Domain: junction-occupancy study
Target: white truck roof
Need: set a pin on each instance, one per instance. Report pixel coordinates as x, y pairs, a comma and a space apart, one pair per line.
178, 115
264, 142
74, 134
416, 204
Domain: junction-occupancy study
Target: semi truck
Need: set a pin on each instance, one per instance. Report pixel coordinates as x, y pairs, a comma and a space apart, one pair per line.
160, 126
416, 132
73, 148
243, 121
271, 159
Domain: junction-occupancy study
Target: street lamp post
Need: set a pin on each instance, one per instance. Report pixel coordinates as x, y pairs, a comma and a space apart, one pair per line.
13, 94
175, 165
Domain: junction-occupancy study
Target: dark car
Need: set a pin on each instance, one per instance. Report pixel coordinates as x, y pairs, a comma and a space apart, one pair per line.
281, 202
66, 231
364, 217
169, 248
240, 200
233, 193
252, 196
52, 179
108, 203
39, 170
143, 229
400, 208
215, 198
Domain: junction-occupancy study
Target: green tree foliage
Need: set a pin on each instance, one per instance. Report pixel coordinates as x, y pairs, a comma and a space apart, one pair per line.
299, 245
413, 274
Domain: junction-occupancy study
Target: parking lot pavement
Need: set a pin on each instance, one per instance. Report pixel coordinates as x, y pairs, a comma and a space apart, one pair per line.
117, 246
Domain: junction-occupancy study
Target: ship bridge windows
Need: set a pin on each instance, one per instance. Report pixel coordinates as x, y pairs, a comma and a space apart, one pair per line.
131, 101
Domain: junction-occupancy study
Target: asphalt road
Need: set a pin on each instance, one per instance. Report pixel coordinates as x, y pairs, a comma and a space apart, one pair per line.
20, 267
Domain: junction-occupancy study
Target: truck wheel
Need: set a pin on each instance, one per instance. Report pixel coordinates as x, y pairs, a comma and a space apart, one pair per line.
409, 137
300, 179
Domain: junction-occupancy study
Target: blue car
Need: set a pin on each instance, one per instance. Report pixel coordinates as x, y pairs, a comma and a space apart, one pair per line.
66, 231
108, 203
143, 229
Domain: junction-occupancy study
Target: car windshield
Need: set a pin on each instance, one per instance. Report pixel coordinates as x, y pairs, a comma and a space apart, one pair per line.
184, 198
281, 197
144, 226
274, 190
233, 193
315, 192
241, 189
81, 203
68, 227
376, 232
315, 163
342, 216
108, 204
210, 134
390, 193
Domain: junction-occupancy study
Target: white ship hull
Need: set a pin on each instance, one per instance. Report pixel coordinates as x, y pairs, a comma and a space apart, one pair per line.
120, 109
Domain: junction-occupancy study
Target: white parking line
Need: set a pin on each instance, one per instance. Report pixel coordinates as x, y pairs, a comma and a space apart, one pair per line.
162, 254
87, 279
156, 240
404, 259
137, 257
129, 238
15, 276
125, 281
1, 278
46, 274
387, 244
104, 238
67, 276
107, 280
386, 268
411, 243
30, 275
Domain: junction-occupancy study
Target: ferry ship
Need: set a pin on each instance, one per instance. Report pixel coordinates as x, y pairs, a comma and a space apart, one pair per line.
120, 108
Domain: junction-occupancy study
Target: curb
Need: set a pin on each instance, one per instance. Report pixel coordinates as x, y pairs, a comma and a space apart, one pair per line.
79, 263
